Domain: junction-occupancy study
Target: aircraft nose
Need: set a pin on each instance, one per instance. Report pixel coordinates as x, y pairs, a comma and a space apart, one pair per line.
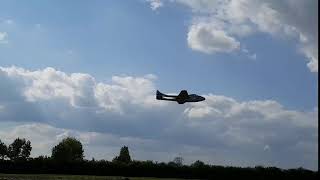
203, 98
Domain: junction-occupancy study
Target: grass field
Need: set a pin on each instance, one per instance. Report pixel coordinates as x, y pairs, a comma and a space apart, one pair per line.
69, 177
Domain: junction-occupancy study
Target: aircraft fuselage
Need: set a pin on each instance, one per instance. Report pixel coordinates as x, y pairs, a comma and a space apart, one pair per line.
182, 98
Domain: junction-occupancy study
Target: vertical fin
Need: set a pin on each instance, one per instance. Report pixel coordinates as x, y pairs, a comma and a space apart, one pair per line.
183, 94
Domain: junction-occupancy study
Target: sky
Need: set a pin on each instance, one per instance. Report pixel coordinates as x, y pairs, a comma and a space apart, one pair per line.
90, 69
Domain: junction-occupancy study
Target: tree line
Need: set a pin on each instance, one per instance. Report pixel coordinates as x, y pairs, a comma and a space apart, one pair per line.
67, 157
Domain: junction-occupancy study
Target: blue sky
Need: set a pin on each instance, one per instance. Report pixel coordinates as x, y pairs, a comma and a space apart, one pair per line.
131, 39
107, 38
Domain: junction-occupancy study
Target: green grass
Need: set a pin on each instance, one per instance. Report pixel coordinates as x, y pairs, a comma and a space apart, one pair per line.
69, 177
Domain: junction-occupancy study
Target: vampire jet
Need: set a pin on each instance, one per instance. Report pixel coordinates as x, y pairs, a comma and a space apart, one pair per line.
181, 98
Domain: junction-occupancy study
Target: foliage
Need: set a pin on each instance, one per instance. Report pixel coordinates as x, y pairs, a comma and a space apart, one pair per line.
68, 150
3, 150
198, 164
20, 149
122, 165
178, 161
124, 155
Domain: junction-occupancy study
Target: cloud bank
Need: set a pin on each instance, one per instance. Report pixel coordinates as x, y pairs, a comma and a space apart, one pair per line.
46, 105
221, 25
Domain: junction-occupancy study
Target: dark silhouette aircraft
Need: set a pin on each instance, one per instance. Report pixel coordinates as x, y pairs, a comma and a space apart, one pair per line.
181, 98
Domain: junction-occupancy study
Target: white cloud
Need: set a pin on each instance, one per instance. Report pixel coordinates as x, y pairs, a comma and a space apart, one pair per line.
243, 112
250, 55
293, 19
3, 37
203, 6
200, 112
241, 30
105, 116
50, 84
155, 4
81, 90
312, 53
206, 38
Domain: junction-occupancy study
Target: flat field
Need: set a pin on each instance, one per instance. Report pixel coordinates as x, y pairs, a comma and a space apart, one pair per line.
70, 177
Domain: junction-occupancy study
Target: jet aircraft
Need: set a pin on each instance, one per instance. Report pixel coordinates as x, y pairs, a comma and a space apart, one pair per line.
181, 98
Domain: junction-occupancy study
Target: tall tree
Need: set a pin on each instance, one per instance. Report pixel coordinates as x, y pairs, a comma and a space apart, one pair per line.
198, 164
68, 150
178, 161
124, 155
3, 150
20, 149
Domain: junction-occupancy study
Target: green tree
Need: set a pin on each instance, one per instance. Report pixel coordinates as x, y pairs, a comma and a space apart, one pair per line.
124, 155
198, 164
20, 149
178, 161
68, 150
3, 150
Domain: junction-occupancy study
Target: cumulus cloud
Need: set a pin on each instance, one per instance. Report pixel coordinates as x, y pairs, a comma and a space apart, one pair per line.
238, 19
81, 90
206, 38
240, 30
249, 111
49, 104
